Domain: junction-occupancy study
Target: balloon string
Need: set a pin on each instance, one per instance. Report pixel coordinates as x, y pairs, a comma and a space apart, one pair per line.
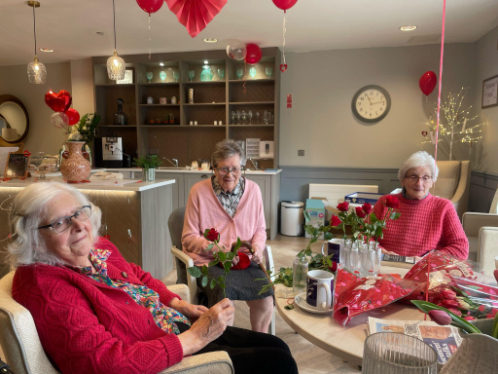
150, 42
284, 31
245, 72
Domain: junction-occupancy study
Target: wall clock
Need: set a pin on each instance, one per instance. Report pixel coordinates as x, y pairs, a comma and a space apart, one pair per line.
371, 104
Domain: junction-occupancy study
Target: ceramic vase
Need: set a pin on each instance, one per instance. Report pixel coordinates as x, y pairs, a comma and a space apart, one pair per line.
75, 168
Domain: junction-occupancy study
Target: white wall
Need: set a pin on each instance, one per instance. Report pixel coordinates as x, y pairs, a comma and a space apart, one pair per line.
323, 84
82, 85
486, 156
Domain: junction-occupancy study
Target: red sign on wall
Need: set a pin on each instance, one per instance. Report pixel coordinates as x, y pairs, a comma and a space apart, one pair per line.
289, 101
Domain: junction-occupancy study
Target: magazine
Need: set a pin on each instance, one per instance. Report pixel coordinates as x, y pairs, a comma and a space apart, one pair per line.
444, 339
397, 261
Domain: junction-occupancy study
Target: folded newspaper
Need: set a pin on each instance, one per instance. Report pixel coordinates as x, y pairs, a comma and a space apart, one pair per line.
444, 339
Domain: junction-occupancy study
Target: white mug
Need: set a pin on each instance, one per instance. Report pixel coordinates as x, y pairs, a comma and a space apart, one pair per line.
496, 262
334, 248
318, 290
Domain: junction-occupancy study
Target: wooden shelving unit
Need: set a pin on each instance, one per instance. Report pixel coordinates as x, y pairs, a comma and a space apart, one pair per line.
213, 101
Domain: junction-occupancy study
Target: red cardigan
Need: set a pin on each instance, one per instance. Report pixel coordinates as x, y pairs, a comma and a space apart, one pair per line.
88, 327
430, 223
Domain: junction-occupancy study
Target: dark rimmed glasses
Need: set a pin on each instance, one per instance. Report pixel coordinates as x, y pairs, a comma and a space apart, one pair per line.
63, 224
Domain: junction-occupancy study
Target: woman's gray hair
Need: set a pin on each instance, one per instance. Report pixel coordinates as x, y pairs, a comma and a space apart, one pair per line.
27, 211
226, 149
418, 159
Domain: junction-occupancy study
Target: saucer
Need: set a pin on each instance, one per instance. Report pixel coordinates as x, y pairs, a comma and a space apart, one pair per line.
300, 301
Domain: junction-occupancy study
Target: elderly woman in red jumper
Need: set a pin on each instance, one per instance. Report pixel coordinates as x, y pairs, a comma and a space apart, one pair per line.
96, 313
232, 205
427, 222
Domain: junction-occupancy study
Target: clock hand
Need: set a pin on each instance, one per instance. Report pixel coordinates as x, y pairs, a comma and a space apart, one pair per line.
378, 102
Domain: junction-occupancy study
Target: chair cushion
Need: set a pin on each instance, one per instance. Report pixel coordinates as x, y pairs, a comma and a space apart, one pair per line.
175, 226
447, 181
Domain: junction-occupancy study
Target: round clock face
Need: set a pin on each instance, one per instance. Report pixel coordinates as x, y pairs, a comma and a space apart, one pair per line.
371, 104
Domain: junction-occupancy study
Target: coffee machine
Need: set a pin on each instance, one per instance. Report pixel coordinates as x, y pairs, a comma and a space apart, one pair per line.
109, 152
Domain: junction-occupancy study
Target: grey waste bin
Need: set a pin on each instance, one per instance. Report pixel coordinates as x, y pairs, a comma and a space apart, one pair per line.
292, 218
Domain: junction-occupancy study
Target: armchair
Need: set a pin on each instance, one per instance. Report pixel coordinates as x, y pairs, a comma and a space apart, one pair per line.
482, 232
25, 355
453, 183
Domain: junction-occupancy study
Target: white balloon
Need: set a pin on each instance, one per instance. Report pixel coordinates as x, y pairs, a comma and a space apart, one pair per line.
59, 120
236, 50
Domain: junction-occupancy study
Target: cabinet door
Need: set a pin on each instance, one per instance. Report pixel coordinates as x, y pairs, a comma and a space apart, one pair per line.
178, 189
264, 183
191, 179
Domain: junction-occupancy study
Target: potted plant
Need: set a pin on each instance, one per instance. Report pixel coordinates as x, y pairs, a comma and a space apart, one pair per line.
148, 164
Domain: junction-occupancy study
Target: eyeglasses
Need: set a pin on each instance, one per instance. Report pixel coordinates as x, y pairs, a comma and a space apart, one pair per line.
225, 170
415, 178
63, 224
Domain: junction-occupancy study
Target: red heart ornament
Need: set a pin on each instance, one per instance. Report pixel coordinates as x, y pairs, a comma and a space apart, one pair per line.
59, 102
283, 67
424, 133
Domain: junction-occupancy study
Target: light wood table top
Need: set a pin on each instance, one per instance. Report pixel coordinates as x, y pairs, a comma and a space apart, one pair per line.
345, 342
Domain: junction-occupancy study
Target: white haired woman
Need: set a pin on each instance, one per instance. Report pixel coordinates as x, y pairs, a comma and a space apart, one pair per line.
97, 313
232, 205
427, 222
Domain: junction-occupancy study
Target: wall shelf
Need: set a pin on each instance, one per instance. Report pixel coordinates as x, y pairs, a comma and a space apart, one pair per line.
205, 104
159, 84
252, 80
200, 83
159, 105
114, 85
120, 126
244, 126
253, 103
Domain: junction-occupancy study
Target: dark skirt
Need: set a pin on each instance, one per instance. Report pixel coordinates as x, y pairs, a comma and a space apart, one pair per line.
240, 284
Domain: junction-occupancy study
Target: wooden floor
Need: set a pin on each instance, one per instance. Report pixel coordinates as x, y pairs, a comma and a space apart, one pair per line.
310, 359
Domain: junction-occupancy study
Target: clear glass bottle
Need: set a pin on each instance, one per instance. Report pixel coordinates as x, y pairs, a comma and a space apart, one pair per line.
354, 259
377, 258
300, 273
345, 253
120, 118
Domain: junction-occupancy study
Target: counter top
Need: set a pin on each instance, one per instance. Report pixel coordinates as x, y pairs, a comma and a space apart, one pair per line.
181, 170
100, 185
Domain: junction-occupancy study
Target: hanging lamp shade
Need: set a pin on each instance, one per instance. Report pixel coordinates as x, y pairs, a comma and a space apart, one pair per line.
37, 73
116, 67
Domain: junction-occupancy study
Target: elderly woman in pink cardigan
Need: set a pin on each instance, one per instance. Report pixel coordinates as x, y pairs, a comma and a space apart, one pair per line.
232, 205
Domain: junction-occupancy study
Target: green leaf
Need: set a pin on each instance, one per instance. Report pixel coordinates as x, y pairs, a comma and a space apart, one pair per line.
373, 218
212, 284
194, 271
206, 232
204, 270
210, 246
289, 307
306, 216
288, 272
426, 307
494, 331
231, 255
213, 263
222, 284
238, 245
309, 229
227, 265
222, 256
328, 236
204, 281
396, 215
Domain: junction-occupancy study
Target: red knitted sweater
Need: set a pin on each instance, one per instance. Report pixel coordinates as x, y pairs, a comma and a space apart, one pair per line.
430, 223
88, 327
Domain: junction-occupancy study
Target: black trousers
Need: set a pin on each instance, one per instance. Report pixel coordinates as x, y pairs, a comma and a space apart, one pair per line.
252, 352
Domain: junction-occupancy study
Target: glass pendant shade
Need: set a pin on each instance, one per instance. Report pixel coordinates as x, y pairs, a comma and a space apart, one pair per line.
37, 73
116, 67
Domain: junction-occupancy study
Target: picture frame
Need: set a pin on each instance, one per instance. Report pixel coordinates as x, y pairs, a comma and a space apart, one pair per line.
490, 92
128, 78
16, 167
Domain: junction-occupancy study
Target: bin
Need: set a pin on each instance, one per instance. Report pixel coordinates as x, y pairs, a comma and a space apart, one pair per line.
292, 218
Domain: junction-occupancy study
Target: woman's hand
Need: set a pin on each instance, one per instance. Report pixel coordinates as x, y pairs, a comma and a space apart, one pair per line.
388, 252
207, 328
191, 311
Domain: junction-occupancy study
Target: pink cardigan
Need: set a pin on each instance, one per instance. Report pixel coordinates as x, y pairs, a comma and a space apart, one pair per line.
431, 223
204, 211
88, 327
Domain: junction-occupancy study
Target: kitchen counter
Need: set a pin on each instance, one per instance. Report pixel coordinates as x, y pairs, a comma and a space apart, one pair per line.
184, 170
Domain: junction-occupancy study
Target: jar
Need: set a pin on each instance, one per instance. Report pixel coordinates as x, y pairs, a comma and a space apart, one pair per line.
150, 100
173, 100
163, 101
300, 274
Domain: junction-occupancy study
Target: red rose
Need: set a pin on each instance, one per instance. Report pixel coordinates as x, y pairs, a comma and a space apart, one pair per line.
343, 207
335, 221
333, 268
212, 235
367, 208
392, 202
359, 212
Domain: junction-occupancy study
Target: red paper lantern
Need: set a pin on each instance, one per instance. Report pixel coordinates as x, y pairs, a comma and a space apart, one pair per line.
73, 116
254, 53
284, 4
428, 82
150, 6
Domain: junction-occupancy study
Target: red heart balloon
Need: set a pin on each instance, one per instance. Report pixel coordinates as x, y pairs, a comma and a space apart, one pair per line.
73, 116
59, 102
283, 67
424, 133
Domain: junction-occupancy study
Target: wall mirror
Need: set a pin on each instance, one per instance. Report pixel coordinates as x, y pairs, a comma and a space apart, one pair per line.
14, 121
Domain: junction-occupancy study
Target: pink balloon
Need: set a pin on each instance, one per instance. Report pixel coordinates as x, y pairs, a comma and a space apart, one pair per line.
254, 53
150, 6
59, 120
427, 82
284, 4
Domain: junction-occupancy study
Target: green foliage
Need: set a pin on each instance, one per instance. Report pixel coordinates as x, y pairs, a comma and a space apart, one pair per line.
85, 127
147, 162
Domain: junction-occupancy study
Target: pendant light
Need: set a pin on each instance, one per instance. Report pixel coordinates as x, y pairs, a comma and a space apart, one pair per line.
115, 65
37, 73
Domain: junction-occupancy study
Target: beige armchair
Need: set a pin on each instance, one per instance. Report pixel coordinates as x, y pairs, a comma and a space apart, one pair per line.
482, 232
453, 183
25, 355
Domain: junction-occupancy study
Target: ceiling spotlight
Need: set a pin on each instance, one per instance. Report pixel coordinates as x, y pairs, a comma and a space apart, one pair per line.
99, 33
161, 64
47, 50
407, 28
210, 40
206, 62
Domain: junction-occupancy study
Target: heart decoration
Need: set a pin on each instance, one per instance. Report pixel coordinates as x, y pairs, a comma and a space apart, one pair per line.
58, 102
283, 67
424, 133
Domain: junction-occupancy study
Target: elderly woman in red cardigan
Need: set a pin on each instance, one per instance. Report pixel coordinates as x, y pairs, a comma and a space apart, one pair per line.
96, 313
232, 205
427, 222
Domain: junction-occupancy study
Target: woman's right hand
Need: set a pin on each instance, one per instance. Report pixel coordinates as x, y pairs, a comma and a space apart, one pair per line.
207, 328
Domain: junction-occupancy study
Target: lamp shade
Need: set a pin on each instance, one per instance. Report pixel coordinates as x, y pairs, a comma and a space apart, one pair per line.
37, 73
116, 67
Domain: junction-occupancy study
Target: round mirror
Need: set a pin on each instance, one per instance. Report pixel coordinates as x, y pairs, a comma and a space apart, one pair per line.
14, 120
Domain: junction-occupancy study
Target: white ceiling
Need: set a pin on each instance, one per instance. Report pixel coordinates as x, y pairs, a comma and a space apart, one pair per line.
70, 26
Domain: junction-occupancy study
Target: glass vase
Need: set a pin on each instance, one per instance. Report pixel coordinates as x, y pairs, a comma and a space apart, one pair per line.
345, 253
300, 272
354, 259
